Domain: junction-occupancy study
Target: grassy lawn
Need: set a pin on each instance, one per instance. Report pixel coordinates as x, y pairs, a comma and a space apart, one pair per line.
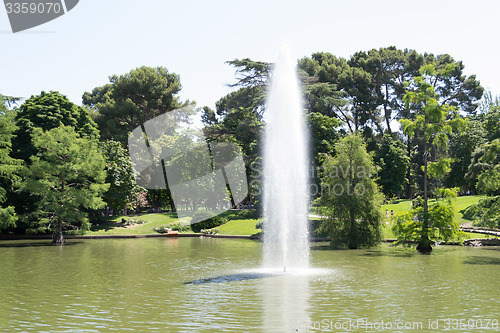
402, 206
239, 227
115, 227
241, 224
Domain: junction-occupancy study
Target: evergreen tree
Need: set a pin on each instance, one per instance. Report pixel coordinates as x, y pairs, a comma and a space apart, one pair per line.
351, 196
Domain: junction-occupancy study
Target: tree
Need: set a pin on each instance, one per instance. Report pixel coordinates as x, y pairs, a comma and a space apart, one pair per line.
492, 123
393, 161
389, 68
131, 99
488, 101
335, 79
438, 223
462, 145
47, 111
68, 177
120, 175
433, 122
9, 167
351, 196
484, 171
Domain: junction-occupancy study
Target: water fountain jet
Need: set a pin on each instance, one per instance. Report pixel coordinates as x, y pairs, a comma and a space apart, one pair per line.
286, 199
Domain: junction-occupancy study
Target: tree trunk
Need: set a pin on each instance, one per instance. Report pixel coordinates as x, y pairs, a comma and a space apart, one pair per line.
408, 171
353, 235
387, 111
58, 237
424, 245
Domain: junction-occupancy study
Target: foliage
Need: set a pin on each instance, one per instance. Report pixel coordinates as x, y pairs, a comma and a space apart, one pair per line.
393, 161
492, 123
177, 226
47, 111
131, 99
462, 145
9, 167
351, 196
132, 221
120, 175
68, 176
432, 122
212, 231
409, 227
324, 133
137, 199
207, 220
486, 213
338, 89
485, 167
44, 111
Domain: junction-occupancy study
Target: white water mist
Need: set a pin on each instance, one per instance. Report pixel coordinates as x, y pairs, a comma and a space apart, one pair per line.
286, 188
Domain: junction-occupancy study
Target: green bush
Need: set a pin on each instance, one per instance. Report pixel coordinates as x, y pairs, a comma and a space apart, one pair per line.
162, 229
248, 214
177, 226
131, 221
259, 225
213, 231
207, 220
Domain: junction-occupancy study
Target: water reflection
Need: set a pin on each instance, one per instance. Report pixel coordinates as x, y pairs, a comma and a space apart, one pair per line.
286, 302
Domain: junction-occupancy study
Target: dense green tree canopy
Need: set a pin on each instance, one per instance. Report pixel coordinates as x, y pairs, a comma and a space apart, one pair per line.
68, 176
9, 167
47, 111
120, 175
393, 161
351, 196
131, 99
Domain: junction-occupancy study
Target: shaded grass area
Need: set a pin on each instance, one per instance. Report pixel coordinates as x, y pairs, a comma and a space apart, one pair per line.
114, 226
240, 223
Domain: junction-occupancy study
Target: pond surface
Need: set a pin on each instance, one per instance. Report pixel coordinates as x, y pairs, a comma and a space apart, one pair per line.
215, 285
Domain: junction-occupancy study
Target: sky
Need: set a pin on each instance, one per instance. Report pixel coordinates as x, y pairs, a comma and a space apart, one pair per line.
98, 38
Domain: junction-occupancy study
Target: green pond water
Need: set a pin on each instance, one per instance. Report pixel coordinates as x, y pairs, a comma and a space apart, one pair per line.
215, 285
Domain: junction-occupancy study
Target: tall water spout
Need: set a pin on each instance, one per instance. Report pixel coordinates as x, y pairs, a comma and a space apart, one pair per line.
286, 190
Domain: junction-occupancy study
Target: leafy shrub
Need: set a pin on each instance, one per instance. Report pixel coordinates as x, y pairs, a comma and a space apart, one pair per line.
163, 229
213, 231
132, 221
207, 220
259, 225
177, 226
248, 214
